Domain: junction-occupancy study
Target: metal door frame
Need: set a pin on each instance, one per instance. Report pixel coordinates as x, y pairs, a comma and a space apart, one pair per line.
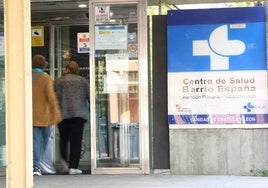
143, 90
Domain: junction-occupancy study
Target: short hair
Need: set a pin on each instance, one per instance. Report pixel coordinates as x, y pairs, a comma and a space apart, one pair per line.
39, 61
73, 67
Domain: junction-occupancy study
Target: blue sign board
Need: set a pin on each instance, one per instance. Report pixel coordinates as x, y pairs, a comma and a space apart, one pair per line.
234, 34
217, 56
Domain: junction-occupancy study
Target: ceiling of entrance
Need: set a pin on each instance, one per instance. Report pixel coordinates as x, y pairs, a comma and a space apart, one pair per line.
178, 2
68, 10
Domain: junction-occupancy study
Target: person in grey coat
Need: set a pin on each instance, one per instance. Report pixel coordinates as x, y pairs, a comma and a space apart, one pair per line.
72, 91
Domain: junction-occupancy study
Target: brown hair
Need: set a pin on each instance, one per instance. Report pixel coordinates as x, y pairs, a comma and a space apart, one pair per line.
72, 67
39, 61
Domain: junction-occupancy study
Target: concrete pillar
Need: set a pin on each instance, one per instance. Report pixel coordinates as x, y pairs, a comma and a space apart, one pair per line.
17, 31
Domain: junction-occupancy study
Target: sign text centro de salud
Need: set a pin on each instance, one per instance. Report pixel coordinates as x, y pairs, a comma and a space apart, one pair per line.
217, 72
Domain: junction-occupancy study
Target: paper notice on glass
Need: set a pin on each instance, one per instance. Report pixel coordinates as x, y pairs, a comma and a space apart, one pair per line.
117, 62
111, 37
102, 13
38, 38
116, 80
83, 42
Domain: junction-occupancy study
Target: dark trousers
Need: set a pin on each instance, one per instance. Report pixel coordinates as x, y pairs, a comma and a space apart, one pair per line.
71, 130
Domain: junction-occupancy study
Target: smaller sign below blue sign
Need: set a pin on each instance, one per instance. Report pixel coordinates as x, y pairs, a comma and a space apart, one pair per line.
218, 119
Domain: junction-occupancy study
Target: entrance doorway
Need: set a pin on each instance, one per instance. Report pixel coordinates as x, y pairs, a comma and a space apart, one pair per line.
60, 46
116, 136
59, 27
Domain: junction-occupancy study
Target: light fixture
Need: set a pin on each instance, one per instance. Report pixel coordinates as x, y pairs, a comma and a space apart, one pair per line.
82, 5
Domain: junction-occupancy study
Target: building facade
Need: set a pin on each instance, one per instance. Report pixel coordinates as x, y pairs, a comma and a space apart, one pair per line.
128, 131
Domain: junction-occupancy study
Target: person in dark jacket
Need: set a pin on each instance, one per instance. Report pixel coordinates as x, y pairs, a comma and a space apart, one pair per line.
72, 92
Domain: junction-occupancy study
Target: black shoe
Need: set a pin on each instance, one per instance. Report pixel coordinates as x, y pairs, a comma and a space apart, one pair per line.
37, 172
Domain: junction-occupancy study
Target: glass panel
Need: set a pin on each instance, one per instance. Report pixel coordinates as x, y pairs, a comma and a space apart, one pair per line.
2, 95
117, 89
66, 49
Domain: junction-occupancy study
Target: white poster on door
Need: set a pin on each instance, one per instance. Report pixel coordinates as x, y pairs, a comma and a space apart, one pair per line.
111, 37
102, 13
83, 42
116, 79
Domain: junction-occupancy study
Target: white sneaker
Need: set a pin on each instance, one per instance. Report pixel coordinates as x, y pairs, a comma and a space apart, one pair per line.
73, 171
46, 168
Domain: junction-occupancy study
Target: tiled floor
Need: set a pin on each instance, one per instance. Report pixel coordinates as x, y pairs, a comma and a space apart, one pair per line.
146, 181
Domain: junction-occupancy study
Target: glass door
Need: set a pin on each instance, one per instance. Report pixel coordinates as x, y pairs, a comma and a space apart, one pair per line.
117, 122
60, 31
61, 45
117, 102
66, 42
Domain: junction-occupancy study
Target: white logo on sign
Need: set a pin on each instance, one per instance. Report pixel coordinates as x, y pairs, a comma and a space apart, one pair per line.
219, 48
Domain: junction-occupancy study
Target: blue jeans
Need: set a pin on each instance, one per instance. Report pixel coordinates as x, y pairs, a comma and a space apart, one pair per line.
47, 150
42, 141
